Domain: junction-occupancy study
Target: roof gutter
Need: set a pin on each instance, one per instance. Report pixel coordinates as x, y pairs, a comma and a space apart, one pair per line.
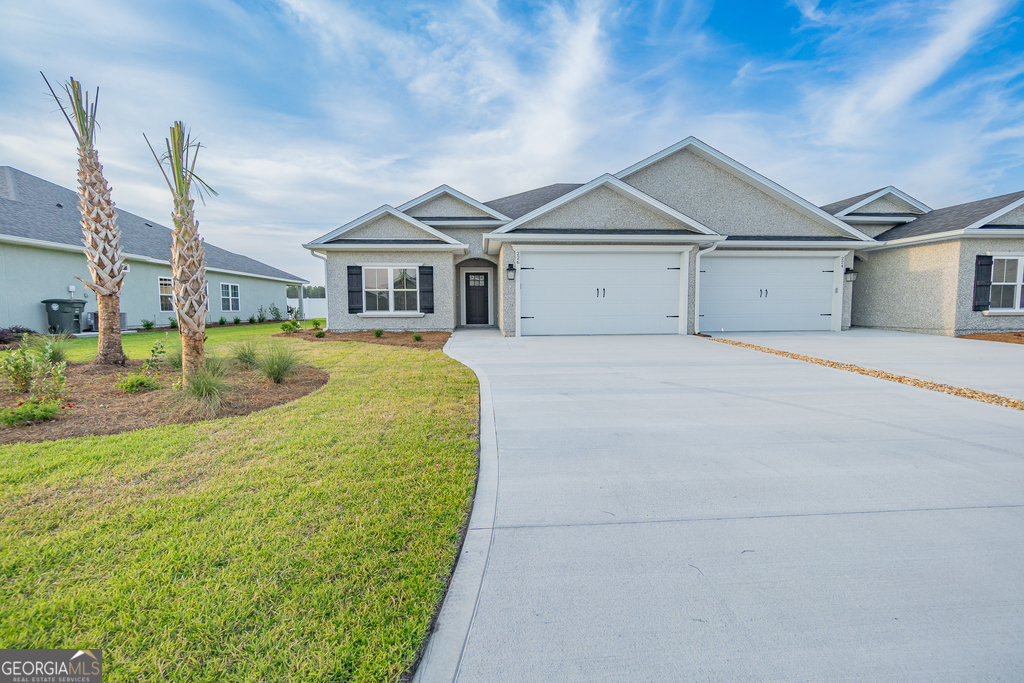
492, 242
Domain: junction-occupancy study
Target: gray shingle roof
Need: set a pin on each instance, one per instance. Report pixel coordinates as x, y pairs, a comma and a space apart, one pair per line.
836, 207
517, 205
950, 218
35, 215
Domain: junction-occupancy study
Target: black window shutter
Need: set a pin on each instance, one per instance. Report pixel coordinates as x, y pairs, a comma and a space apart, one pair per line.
355, 289
426, 289
982, 282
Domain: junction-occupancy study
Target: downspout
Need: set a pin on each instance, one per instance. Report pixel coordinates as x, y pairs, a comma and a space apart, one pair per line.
696, 307
327, 319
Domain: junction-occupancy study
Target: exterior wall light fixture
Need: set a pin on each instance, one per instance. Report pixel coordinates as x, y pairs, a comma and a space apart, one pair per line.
510, 272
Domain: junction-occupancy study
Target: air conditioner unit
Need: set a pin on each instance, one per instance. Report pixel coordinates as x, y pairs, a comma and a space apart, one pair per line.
92, 322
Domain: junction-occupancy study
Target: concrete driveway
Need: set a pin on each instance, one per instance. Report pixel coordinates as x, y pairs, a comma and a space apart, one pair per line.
993, 367
674, 509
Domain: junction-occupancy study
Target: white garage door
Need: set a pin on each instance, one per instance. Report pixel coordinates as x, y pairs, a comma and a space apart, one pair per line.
772, 293
598, 293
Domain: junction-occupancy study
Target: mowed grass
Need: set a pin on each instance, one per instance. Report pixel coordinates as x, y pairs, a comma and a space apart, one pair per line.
307, 542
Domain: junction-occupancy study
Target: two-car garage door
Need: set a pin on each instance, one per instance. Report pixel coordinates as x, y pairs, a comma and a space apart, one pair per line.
604, 292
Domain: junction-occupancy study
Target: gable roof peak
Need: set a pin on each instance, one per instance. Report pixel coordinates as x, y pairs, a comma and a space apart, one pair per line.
848, 206
452, 192
380, 211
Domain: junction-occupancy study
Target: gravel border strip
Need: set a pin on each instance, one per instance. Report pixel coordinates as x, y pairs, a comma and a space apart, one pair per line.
995, 399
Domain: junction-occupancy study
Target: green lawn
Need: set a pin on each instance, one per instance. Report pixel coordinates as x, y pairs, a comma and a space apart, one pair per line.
307, 542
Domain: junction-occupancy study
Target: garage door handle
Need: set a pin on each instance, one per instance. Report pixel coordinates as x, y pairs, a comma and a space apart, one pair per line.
603, 294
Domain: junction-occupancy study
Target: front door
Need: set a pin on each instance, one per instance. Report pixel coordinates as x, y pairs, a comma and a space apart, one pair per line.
476, 299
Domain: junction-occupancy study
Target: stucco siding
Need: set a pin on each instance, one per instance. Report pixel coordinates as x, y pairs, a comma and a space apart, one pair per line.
507, 299
448, 206
886, 205
602, 208
720, 200
387, 227
908, 288
1015, 217
471, 237
969, 321
340, 320
30, 274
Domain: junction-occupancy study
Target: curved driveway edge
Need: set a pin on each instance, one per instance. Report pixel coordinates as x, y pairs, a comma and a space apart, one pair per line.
447, 642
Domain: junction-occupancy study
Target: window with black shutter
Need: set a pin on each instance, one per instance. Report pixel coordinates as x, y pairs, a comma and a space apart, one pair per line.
426, 289
982, 282
355, 289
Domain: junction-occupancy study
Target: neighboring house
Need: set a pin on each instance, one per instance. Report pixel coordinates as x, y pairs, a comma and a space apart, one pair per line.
957, 270
685, 240
41, 253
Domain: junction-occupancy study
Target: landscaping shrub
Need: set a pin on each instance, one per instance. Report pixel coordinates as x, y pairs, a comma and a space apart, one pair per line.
9, 335
246, 353
172, 323
290, 326
275, 312
30, 412
156, 355
315, 322
16, 366
222, 321
174, 358
134, 382
320, 334
237, 320
204, 394
278, 362
417, 337
378, 333
261, 315
148, 324
216, 366
48, 380
52, 348
252, 320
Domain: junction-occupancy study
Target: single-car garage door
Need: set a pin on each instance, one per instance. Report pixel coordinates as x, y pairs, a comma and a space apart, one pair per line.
767, 293
599, 292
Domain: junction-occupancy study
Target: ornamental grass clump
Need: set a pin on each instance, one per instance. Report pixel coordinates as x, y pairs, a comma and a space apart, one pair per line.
246, 353
203, 395
278, 362
52, 348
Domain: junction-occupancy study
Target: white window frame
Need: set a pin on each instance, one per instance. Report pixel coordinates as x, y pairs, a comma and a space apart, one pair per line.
1017, 308
238, 289
391, 312
161, 295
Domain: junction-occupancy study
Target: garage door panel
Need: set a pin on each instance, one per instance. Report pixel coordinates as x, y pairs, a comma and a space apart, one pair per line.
567, 293
766, 293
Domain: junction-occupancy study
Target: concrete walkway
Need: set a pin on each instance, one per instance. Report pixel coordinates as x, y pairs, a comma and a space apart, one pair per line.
673, 509
993, 367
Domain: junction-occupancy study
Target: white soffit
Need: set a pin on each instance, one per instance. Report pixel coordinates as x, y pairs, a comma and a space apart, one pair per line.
451, 191
622, 188
377, 213
752, 177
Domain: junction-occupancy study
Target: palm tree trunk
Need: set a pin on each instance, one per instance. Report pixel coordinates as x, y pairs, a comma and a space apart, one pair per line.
189, 277
103, 254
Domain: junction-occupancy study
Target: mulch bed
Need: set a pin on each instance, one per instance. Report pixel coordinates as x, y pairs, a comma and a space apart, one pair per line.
431, 340
1011, 337
98, 407
881, 374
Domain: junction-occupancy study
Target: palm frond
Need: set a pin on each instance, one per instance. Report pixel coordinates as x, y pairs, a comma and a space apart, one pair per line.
178, 163
84, 123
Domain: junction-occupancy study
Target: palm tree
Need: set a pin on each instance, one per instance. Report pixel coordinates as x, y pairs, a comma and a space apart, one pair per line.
188, 266
99, 222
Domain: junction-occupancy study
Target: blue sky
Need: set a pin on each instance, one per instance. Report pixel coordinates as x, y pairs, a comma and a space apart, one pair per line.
314, 112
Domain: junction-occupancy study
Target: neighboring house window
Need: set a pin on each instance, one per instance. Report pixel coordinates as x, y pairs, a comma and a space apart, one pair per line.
229, 297
391, 289
1007, 278
166, 294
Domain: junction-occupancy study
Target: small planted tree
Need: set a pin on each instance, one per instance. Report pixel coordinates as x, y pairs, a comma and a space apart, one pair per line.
102, 238
188, 265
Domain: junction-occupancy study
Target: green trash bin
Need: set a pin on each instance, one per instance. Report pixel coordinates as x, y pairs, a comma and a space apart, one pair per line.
64, 315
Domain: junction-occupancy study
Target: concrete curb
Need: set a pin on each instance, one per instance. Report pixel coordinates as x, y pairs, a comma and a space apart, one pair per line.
442, 658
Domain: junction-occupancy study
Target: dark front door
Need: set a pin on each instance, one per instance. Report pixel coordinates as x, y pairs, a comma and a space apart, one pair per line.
476, 299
